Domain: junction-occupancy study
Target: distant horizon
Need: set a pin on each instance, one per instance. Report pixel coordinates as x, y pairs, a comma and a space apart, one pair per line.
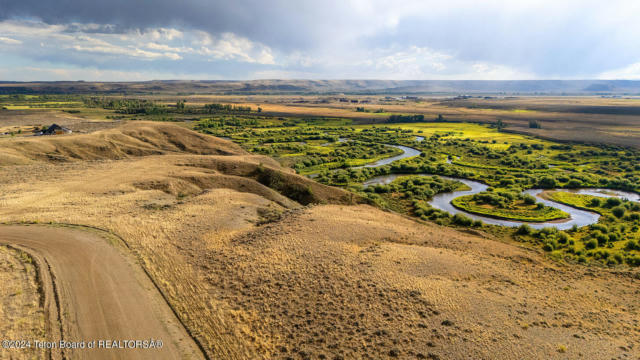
347, 86
319, 79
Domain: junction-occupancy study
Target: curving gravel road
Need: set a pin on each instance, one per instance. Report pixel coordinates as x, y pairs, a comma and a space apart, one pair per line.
95, 291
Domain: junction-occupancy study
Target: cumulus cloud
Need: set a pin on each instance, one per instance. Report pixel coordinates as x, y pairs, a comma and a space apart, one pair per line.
418, 39
81, 40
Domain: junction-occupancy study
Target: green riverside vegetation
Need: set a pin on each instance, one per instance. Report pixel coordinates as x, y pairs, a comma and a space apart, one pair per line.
333, 149
508, 205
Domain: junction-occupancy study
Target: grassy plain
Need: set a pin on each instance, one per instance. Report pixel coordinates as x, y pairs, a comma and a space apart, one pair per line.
614, 239
262, 263
592, 119
20, 311
333, 149
517, 210
255, 274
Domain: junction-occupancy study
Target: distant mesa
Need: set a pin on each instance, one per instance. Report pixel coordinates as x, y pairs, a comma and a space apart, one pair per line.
393, 88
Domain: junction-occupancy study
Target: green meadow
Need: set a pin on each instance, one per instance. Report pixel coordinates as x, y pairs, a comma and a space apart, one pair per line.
334, 151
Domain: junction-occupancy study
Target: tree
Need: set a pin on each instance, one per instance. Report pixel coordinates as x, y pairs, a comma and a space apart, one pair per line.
500, 125
534, 124
405, 118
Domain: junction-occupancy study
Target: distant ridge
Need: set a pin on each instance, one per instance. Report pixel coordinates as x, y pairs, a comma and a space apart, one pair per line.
503, 87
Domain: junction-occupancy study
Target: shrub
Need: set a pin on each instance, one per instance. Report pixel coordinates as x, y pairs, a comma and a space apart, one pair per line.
602, 239
563, 238
548, 230
612, 201
633, 260
595, 202
524, 229
529, 200
632, 245
462, 220
618, 211
618, 257
591, 244
600, 227
547, 182
574, 183
633, 217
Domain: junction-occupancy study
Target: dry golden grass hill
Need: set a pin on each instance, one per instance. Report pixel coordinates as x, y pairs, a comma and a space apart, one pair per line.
129, 140
259, 262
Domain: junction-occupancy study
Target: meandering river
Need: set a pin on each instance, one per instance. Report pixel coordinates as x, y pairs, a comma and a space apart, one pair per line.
442, 201
407, 153
578, 217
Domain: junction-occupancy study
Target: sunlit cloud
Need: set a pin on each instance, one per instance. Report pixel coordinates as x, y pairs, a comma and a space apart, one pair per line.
9, 41
86, 40
630, 72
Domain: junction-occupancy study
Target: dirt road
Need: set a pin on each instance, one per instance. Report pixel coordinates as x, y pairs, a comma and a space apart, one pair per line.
95, 291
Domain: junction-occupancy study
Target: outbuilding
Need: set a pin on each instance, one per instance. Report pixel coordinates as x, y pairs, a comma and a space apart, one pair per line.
56, 129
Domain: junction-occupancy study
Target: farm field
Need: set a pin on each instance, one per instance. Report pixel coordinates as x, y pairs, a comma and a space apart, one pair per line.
258, 225
591, 119
340, 152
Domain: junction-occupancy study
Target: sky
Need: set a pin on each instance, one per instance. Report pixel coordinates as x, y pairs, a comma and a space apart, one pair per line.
132, 40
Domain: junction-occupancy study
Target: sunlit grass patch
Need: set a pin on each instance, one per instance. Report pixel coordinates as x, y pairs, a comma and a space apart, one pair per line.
517, 209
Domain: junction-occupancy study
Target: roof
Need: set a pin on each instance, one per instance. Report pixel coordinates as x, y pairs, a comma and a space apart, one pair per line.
55, 128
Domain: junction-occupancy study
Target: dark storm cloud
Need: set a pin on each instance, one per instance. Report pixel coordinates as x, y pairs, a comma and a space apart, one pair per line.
281, 24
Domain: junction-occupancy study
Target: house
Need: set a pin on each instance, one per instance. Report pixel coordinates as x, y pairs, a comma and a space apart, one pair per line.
56, 129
